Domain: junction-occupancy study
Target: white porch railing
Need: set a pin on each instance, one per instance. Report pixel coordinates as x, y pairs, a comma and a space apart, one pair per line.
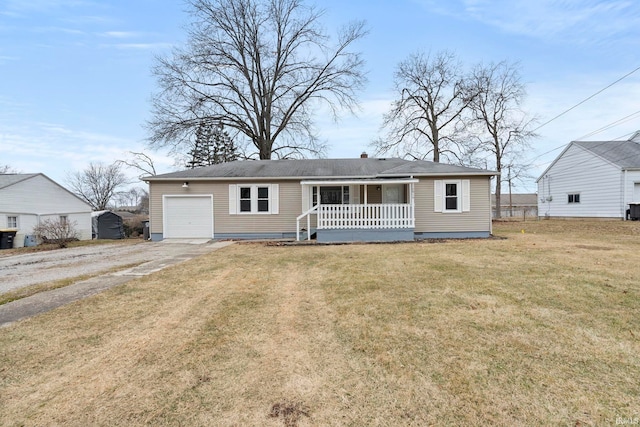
369, 216
313, 210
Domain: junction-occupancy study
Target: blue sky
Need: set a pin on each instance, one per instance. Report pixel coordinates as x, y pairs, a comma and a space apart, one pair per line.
75, 75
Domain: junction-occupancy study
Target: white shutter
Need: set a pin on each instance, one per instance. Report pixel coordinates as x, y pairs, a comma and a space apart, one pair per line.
274, 192
233, 199
306, 189
466, 195
437, 195
354, 194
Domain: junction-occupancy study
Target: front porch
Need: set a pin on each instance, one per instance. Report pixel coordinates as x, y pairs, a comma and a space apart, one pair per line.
358, 210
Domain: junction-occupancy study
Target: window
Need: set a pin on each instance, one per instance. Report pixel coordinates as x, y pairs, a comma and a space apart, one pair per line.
12, 222
451, 197
253, 199
574, 198
245, 199
64, 219
338, 195
263, 199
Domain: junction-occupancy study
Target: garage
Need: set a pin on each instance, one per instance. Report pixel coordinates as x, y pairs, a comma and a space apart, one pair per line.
187, 217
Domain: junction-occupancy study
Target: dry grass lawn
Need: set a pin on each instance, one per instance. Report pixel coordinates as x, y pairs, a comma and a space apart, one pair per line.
540, 327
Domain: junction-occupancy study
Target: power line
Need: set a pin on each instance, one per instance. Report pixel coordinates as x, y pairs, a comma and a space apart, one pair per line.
585, 100
602, 129
610, 125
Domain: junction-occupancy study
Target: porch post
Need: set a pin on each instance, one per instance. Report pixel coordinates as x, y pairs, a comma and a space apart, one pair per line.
412, 203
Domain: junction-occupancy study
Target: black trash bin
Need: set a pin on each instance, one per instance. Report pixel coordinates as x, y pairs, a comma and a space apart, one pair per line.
6, 239
634, 211
145, 230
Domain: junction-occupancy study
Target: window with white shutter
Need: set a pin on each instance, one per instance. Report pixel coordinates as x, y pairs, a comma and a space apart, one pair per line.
253, 199
452, 196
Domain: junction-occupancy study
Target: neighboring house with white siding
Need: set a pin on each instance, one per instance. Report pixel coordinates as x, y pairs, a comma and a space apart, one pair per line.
28, 199
366, 199
592, 179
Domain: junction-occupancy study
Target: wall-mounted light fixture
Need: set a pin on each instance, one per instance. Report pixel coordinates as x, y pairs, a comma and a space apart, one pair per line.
185, 185
378, 188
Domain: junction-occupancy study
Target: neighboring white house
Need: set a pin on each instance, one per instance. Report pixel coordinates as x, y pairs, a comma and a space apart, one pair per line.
27, 199
591, 179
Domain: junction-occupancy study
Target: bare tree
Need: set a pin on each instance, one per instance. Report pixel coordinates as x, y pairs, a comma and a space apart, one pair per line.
432, 94
258, 68
97, 184
504, 129
129, 198
140, 161
143, 205
6, 169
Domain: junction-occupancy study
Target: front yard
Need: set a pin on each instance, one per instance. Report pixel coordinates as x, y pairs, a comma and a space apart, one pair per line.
539, 327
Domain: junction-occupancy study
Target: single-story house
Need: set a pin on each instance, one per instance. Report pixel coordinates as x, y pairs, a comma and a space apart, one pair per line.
519, 205
365, 199
107, 225
28, 199
591, 179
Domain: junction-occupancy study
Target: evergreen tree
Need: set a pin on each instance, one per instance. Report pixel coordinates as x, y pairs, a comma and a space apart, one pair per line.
212, 145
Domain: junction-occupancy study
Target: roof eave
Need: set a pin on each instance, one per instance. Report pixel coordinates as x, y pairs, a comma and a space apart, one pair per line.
439, 174
329, 177
253, 178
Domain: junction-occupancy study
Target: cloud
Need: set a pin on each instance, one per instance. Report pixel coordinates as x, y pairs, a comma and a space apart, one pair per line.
566, 21
138, 46
4, 59
57, 150
70, 31
18, 8
121, 34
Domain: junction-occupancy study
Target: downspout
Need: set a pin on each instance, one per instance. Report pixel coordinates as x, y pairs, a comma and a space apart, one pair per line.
490, 213
413, 204
624, 196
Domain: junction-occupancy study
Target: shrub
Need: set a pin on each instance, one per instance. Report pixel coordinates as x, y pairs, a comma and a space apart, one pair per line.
60, 231
134, 226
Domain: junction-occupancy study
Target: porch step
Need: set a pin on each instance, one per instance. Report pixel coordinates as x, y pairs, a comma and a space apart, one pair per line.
304, 235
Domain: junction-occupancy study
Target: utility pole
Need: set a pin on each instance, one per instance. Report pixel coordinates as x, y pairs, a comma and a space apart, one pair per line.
510, 198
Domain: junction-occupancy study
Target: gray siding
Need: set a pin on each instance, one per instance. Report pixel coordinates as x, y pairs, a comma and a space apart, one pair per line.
477, 219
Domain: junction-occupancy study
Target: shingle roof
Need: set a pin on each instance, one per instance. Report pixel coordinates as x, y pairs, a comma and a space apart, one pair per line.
323, 168
625, 154
13, 178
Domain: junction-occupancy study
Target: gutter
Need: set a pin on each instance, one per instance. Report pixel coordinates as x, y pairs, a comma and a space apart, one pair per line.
299, 178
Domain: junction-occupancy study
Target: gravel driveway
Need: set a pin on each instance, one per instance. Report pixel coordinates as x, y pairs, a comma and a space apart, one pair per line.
17, 271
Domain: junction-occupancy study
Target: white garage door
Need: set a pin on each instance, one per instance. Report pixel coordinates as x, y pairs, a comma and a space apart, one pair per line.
188, 217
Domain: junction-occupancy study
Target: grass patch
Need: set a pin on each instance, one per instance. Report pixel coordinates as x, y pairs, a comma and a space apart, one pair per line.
27, 291
538, 328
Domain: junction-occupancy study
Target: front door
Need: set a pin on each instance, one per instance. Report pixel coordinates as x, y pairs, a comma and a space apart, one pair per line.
393, 193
